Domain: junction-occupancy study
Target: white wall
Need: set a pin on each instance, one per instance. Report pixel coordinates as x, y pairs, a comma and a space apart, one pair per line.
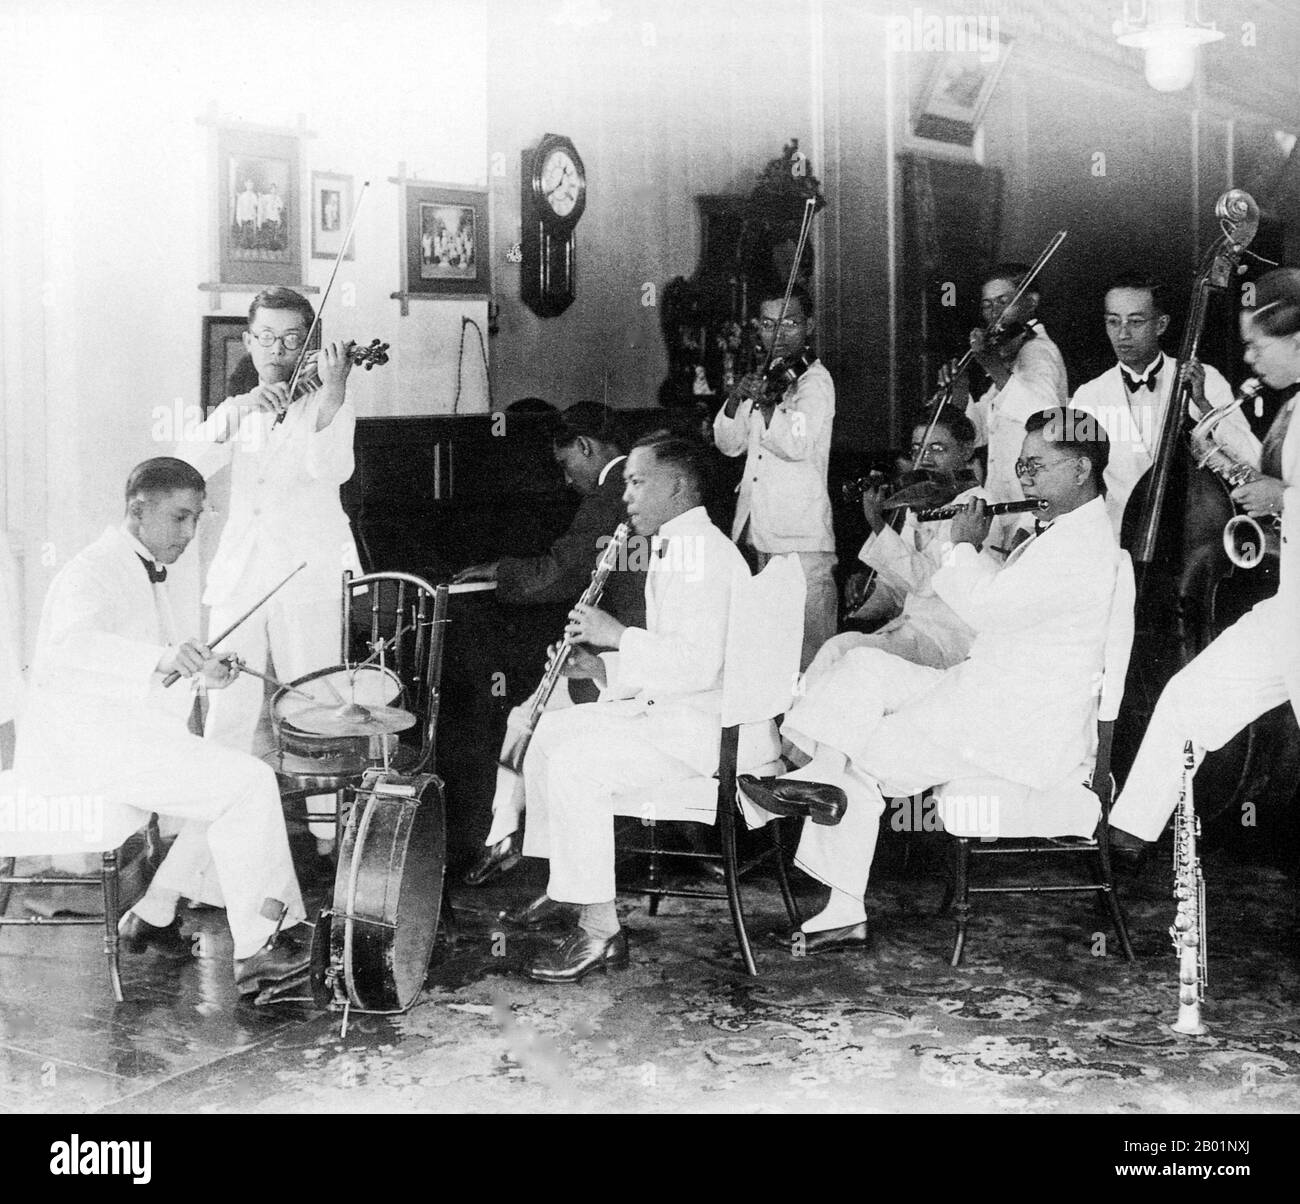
107, 223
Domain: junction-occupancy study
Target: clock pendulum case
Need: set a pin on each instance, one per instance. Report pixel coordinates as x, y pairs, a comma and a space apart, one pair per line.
553, 196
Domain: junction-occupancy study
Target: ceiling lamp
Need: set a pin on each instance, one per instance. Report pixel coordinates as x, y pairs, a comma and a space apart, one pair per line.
1169, 36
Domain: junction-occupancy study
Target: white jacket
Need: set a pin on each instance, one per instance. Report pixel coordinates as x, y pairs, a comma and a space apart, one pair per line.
1038, 382
104, 628
284, 502
783, 489
671, 670
1022, 705
1132, 423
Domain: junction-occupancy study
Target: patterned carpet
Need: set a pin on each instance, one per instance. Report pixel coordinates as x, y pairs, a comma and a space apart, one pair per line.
1044, 1017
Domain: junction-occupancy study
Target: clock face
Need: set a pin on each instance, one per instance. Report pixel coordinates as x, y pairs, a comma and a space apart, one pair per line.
561, 182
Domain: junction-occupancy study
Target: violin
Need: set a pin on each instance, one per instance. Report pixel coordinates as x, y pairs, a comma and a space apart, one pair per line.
365, 357
774, 380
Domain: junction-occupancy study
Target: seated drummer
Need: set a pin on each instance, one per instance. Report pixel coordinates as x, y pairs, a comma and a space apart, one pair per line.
927, 631
99, 722
658, 719
1020, 707
588, 446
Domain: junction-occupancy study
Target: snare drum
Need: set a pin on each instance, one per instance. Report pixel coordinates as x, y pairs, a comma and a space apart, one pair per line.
320, 752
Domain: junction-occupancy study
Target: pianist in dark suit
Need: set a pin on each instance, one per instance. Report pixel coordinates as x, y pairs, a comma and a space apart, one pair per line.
589, 446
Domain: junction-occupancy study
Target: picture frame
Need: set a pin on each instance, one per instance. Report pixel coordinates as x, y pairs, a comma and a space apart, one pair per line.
445, 233
222, 358
956, 93
258, 206
227, 369
332, 200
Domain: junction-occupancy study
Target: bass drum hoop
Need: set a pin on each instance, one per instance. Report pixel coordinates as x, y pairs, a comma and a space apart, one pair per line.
388, 893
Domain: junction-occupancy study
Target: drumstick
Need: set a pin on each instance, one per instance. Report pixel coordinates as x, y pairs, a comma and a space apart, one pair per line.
175, 675
243, 668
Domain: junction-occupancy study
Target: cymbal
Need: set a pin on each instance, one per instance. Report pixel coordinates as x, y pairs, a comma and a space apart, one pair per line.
351, 719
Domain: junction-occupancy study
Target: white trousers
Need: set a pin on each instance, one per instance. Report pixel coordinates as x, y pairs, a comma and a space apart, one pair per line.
821, 603
905, 640
229, 806
508, 801
579, 761
1232, 683
858, 709
288, 641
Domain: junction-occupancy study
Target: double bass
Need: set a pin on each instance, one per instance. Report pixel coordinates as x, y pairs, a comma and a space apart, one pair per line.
1188, 588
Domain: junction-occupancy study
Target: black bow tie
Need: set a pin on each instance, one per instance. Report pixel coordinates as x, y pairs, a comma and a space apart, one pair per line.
1134, 383
156, 571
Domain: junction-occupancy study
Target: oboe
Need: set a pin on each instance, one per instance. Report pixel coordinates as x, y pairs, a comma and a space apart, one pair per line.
1188, 930
517, 738
940, 513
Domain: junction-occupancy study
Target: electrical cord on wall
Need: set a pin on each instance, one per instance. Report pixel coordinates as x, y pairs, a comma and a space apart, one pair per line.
460, 358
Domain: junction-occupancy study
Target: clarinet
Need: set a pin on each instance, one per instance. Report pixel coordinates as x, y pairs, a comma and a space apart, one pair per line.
1188, 930
517, 740
940, 513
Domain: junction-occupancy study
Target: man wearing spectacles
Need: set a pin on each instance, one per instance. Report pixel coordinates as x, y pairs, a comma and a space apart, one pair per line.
784, 433
902, 614
1020, 707
1027, 375
284, 509
1130, 398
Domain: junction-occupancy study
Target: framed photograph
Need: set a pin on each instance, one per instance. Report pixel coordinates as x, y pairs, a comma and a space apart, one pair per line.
331, 213
258, 207
446, 241
957, 92
227, 368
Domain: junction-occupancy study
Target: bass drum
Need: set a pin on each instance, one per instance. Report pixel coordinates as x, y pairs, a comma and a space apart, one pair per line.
373, 944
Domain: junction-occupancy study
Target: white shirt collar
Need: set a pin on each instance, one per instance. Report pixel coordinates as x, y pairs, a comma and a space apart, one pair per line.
137, 547
1156, 364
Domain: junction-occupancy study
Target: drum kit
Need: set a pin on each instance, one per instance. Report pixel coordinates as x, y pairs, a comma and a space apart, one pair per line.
339, 728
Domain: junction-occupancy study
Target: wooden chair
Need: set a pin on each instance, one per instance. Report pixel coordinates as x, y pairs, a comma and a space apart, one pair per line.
409, 615
991, 817
36, 825
764, 635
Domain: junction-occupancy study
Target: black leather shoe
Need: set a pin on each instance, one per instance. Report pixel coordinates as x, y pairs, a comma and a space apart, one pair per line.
820, 802
538, 913
578, 955
804, 944
285, 957
136, 935
1127, 852
497, 859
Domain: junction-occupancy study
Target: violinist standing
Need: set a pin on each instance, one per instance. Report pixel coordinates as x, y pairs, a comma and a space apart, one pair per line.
1027, 374
284, 510
785, 435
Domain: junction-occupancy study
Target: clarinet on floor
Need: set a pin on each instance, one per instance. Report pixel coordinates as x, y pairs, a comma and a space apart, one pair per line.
1188, 929
517, 738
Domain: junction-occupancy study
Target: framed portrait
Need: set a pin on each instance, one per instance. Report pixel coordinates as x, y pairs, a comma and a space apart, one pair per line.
258, 206
331, 213
955, 95
226, 365
446, 231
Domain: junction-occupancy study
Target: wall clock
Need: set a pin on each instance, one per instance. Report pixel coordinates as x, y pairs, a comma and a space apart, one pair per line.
554, 195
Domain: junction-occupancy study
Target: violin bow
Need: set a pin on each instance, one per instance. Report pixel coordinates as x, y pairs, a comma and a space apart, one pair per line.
809, 208
315, 322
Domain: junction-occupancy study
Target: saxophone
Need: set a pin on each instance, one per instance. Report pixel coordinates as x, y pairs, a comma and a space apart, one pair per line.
1188, 930
1244, 539
518, 738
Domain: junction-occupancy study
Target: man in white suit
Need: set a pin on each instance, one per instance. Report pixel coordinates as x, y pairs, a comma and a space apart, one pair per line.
781, 504
99, 722
658, 718
1130, 398
1021, 707
284, 510
1255, 664
927, 631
